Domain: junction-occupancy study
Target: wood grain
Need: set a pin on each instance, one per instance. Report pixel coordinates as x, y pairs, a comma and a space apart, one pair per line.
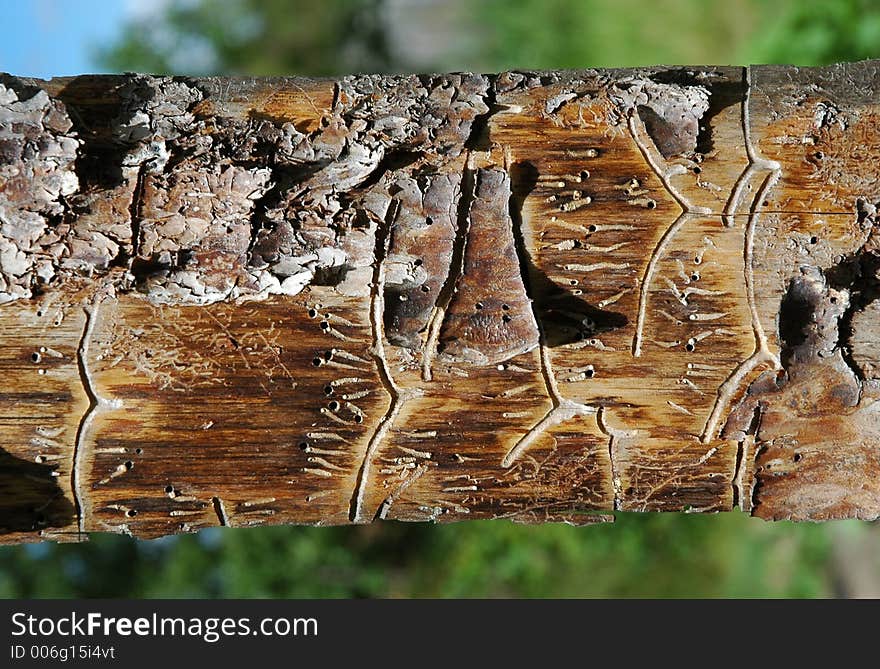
536, 296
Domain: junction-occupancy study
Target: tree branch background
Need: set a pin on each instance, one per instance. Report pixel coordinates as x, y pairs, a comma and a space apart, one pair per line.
664, 555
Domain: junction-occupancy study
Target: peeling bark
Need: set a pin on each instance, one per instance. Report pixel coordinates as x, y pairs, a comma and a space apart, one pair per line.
490, 318
535, 296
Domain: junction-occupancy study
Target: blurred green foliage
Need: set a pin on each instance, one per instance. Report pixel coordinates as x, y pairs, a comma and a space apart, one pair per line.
264, 37
665, 555
317, 38
620, 33
816, 33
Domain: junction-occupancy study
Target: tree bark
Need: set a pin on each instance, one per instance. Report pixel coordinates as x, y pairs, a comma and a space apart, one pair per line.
535, 296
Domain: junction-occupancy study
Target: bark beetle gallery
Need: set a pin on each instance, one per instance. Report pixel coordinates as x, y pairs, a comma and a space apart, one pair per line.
535, 296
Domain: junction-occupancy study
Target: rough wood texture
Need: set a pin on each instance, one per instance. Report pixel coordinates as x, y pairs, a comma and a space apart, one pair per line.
536, 296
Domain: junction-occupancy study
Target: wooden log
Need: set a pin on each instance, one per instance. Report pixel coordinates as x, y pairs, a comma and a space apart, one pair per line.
535, 296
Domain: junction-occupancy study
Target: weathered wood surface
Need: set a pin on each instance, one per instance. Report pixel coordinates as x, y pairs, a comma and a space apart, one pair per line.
536, 296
